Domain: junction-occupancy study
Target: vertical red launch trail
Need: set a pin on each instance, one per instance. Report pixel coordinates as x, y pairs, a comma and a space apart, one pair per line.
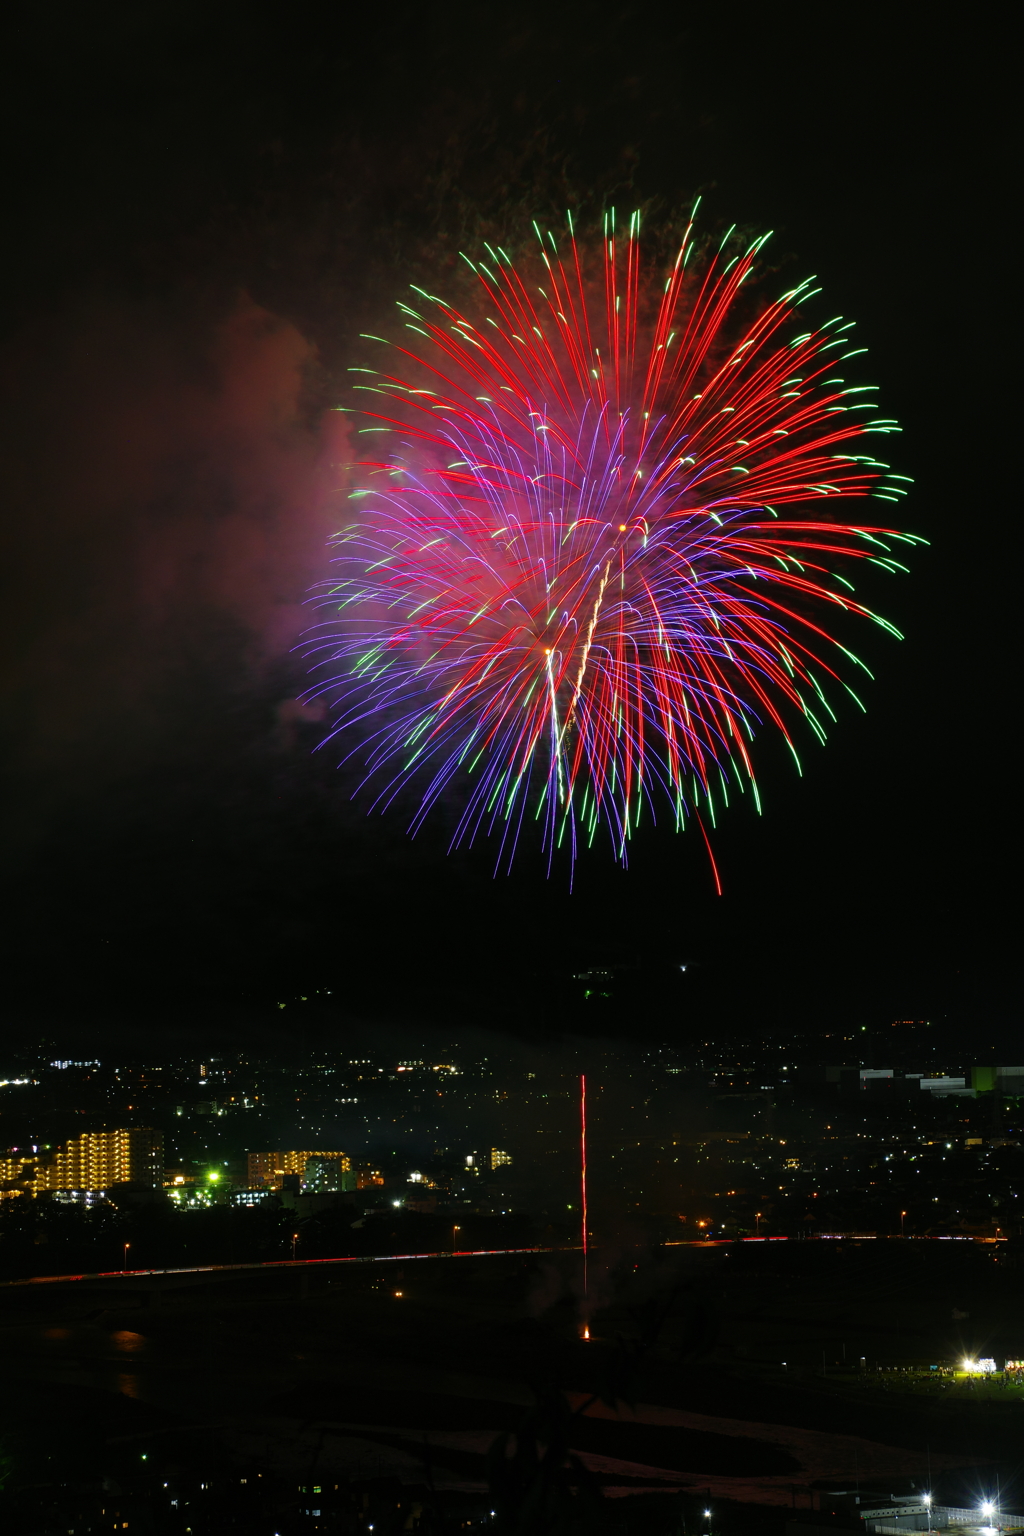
583, 1188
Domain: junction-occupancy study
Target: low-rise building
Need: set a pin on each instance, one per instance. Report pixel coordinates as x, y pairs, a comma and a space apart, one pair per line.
268, 1170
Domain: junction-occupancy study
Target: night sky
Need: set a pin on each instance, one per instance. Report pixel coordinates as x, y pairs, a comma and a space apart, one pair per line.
205, 205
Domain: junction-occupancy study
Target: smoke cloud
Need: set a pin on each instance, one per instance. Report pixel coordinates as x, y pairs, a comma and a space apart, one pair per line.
168, 482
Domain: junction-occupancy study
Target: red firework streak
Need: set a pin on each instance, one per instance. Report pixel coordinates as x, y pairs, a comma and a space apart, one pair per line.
590, 558
583, 1187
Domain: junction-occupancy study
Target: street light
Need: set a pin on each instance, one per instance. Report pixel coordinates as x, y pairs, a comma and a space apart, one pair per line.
757, 1223
124, 1265
903, 1215
295, 1238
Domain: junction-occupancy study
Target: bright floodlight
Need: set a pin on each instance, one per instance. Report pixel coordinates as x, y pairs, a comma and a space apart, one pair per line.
927, 1499
987, 1507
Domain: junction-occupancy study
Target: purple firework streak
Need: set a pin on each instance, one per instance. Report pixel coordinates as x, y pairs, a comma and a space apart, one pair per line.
567, 593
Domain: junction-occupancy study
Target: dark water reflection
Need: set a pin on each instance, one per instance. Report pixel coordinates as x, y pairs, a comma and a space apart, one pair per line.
274, 1366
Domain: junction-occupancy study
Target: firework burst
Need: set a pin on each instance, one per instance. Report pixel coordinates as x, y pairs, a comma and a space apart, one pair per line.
594, 555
